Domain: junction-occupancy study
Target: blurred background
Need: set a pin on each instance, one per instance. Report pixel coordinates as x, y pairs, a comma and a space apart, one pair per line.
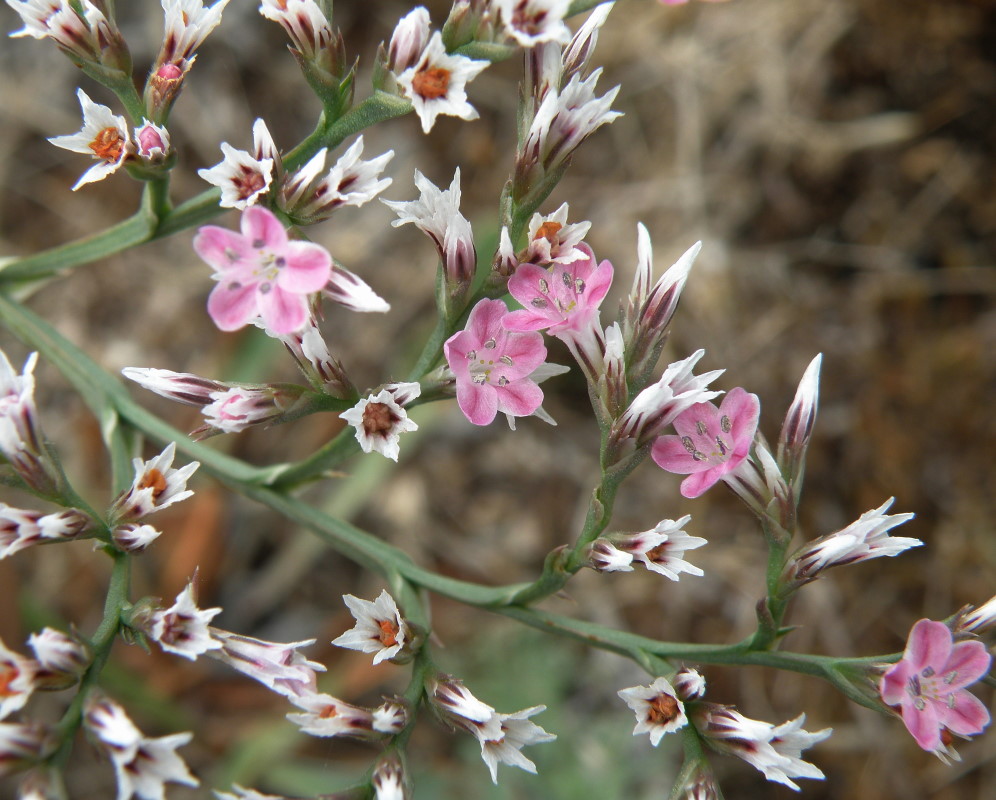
837, 160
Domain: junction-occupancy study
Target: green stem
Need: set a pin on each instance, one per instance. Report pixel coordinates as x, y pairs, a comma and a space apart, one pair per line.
100, 643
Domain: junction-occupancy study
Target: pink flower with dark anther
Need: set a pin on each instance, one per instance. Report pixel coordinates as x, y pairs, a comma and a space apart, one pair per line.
711, 442
260, 272
929, 682
562, 300
492, 365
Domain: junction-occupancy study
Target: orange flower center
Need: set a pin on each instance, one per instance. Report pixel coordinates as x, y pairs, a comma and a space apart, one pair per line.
431, 83
548, 231
388, 632
155, 480
663, 709
328, 712
108, 144
8, 674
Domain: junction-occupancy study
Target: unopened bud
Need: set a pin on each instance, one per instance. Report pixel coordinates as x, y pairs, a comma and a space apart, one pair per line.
61, 659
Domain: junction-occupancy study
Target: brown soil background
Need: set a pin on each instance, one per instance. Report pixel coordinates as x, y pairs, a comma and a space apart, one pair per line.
838, 161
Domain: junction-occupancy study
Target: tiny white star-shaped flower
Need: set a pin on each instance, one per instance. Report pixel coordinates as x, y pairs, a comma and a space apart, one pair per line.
379, 627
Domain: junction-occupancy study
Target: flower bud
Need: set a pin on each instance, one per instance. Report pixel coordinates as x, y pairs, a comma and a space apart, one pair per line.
62, 658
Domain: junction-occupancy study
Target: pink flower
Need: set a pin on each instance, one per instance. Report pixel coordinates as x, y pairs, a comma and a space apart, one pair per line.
711, 442
562, 299
929, 685
260, 272
492, 365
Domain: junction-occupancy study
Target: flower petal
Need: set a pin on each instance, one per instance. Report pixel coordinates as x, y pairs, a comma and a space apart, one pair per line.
929, 645
221, 248
263, 229
520, 399
308, 268
232, 304
970, 661
967, 717
670, 454
478, 403
696, 484
282, 312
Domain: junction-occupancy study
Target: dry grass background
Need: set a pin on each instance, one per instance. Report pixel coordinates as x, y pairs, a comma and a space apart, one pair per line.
837, 159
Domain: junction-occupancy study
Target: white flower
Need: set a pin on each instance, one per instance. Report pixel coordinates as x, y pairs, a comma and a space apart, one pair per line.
351, 291
143, 765
236, 408
437, 83
133, 538
21, 528
187, 25
553, 240
277, 666
310, 196
657, 707
155, 764
774, 750
379, 627
408, 40
241, 178
183, 627
104, 136
689, 683
304, 23
565, 119
326, 715
23, 745
390, 717
156, 486
516, 732
662, 548
866, 538
389, 779
531, 22
978, 620
437, 214
17, 680
380, 420
84, 35
459, 707
61, 659
656, 407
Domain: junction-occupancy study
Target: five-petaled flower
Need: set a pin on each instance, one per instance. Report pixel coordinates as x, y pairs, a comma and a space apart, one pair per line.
562, 300
380, 419
157, 484
711, 442
104, 136
492, 365
928, 684
437, 84
260, 272
379, 628
657, 707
